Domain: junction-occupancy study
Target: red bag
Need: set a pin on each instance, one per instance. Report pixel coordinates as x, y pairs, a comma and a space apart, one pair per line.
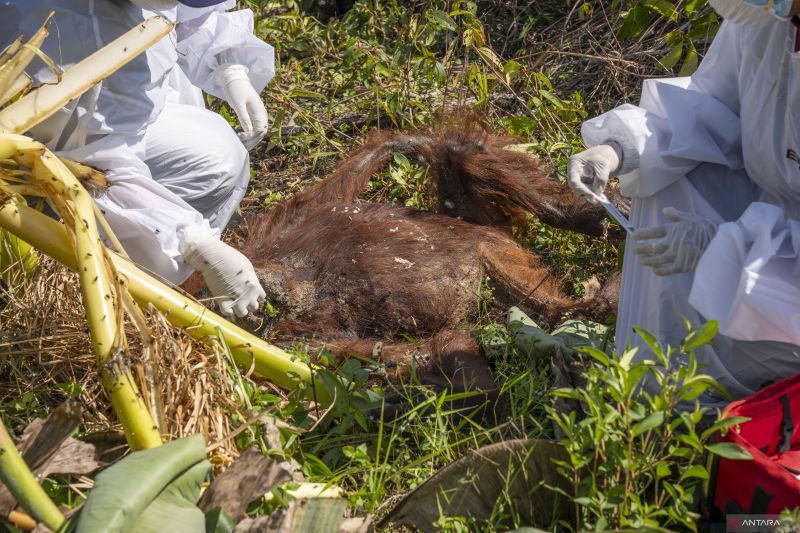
768, 483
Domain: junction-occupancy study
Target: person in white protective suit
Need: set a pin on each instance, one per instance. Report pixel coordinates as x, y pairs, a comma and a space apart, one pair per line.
712, 164
176, 170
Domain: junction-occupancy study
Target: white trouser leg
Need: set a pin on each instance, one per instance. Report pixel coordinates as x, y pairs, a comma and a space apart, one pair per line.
660, 304
188, 170
195, 154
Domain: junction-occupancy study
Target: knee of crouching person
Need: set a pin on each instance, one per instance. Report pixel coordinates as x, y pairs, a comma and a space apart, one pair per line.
233, 164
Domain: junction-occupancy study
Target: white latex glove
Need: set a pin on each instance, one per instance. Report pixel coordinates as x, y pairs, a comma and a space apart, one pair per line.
227, 272
245, 101
674, 247
588, 171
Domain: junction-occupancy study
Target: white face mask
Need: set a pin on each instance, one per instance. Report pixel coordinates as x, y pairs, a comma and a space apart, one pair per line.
155, 5
739, 12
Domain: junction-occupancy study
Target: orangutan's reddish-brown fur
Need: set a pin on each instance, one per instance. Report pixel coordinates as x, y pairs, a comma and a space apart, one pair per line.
354, 274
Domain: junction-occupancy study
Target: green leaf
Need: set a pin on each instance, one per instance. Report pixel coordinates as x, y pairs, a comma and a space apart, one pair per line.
663, 469
729, 450
218, 521
625, 360
600, 356
636, 20
697, 471
652, 421
700, 336
401, 160
691, 63
672, 57
663, 8
725, 423
125, 490
691, 6
650, 340
501, 470
175, 508
510, 69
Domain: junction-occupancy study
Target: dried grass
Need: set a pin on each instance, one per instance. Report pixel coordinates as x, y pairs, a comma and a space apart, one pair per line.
44, 347
584, 54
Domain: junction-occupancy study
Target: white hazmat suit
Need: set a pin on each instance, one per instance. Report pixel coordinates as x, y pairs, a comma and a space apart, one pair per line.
176, 170
723, 148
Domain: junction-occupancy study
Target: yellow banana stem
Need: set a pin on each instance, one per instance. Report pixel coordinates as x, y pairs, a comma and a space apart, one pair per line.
11, 49
269, 361
16, 256
17, 86
140, 430
22, 484
41, 103
97, 277
95, 284
13, 68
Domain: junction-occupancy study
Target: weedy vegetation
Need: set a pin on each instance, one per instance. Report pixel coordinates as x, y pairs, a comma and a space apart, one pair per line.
531, 70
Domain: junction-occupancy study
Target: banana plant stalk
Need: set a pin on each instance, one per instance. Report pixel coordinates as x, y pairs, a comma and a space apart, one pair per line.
97, 277
41, 103
268, 361
18, 57
50, 177
22, 484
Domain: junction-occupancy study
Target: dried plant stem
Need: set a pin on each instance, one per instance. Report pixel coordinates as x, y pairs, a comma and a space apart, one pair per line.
42, 102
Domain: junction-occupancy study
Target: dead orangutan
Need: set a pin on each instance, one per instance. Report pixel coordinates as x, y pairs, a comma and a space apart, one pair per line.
361, 277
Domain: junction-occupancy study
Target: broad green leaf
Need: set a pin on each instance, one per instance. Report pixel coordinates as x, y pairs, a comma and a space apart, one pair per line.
218, 521
691, 62
510, 69
601, 357
557, 146
625, 360
123, 491
520, 472
636, 20
652, 421
175, 508
700, 336
401, 160
650, 340
663, 8
697, 471
729, 450
724, 424
672, 57
691, 6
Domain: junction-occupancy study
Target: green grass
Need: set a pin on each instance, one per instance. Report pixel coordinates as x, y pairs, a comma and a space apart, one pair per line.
408, 65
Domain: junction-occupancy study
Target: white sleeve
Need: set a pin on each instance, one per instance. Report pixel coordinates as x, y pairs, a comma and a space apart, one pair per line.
749, 277
208, 37
679, 123
148, 219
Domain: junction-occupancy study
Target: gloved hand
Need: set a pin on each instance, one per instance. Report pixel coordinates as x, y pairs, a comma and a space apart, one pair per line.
228, 273
588, 171
676, 246
245, 101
